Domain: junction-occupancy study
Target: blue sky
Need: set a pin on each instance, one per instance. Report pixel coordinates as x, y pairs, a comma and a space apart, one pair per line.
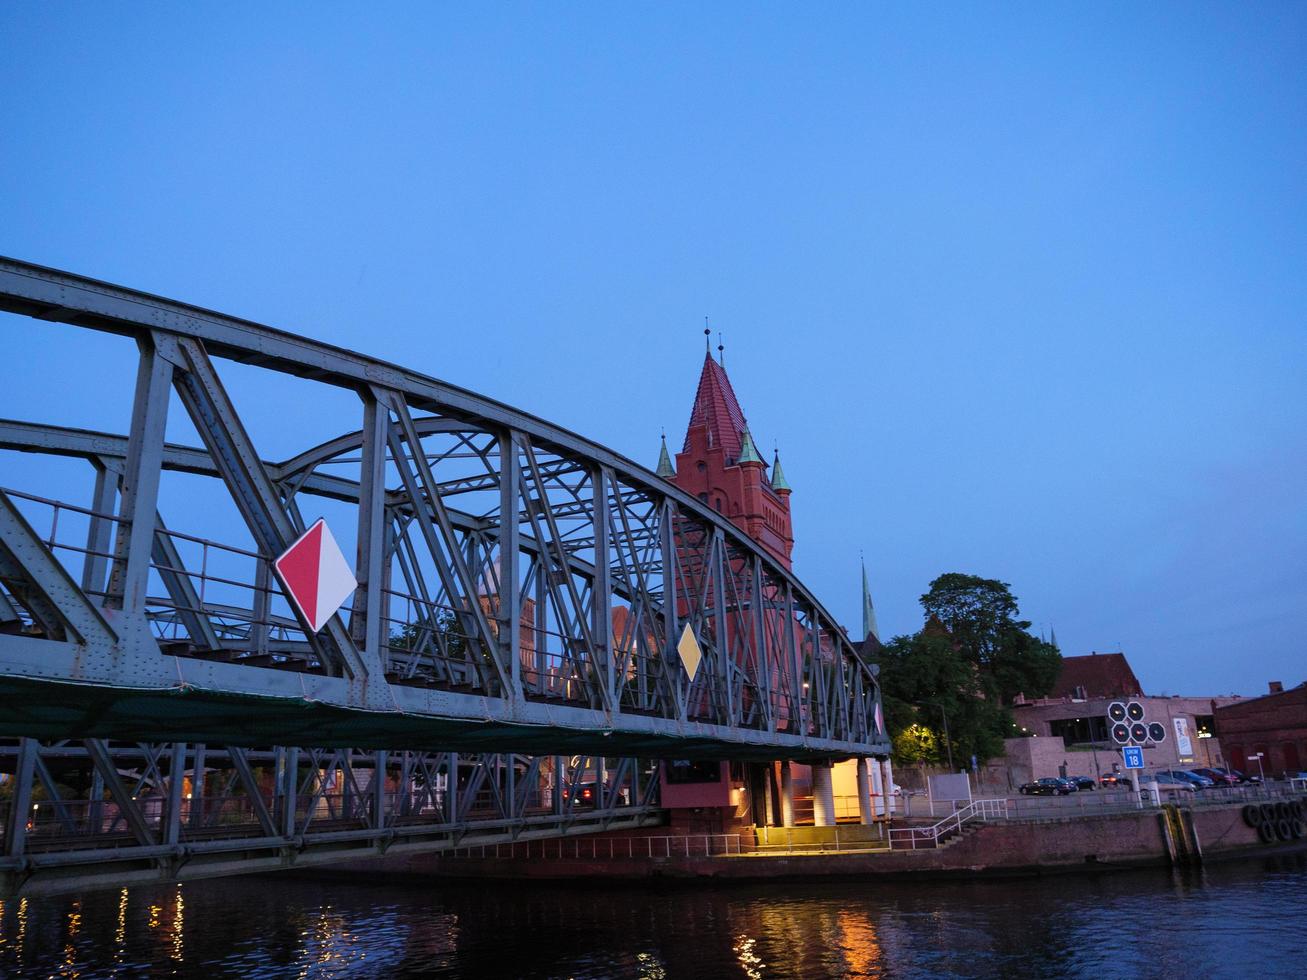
1019, 290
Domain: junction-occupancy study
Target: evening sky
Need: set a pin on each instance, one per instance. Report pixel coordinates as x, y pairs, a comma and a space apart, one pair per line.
1018, 290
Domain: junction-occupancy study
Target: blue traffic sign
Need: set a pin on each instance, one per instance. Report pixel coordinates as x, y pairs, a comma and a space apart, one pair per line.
1133, 756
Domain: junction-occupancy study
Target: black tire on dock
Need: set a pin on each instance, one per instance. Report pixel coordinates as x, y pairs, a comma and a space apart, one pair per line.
1266, 832
1252, 815
1296, 807
1282, 830
1296, 829
1282, 811
1268, 812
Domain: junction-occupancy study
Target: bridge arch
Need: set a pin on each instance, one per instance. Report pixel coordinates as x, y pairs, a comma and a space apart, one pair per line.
521, 587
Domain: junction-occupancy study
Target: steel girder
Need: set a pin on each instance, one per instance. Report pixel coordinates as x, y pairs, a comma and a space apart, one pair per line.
520, 586
113, 814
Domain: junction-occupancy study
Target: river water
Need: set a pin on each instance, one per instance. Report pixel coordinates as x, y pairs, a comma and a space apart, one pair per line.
1235, 919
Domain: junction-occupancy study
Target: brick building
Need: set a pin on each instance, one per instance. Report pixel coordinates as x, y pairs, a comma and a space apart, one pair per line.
1075, 716
1274, 724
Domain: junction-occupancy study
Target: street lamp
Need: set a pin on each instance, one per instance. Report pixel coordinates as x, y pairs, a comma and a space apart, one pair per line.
1261, 773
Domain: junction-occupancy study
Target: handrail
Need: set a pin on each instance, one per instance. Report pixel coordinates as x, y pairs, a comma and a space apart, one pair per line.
917, 837
608, 848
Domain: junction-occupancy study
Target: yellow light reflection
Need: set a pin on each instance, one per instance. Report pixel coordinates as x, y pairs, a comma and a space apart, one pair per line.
70, 947
750, 961
22, 926
861, 944
178, 921
120, 934
651, 968
155, 912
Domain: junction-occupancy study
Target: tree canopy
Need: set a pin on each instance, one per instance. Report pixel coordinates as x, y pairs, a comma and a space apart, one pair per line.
961, 670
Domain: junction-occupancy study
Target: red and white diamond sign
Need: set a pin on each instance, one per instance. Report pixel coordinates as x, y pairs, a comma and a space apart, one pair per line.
317, 577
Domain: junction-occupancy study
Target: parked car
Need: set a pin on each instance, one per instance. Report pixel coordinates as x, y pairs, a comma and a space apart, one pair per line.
1069, 783
1167, 783
1084, 782
1218, 777
1199, 782
1242, 777
1047, 786
1115, 780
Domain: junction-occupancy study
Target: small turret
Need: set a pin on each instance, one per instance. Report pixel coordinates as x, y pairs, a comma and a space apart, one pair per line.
665, 468
748, 451
778, 481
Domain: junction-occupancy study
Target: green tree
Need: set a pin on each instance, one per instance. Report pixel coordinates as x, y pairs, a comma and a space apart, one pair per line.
928, 685
980, 615
969, 661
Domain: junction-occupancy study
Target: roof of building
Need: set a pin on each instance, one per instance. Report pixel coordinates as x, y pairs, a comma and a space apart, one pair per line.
1264, 705
1099, 675
716, 406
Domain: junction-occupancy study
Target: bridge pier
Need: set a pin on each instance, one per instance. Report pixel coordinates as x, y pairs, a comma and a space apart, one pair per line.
823, 795
787, 794
887, 787
866, 813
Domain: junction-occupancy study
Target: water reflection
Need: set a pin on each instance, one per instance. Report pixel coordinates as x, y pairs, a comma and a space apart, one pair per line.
178, 926
276, 927
861, 946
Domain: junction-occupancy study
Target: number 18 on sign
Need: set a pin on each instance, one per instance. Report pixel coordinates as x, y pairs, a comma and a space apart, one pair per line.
1133, 756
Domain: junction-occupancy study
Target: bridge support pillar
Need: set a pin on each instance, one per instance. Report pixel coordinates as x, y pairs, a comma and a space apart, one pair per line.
787, 795
865, 812
823, 795
887, 787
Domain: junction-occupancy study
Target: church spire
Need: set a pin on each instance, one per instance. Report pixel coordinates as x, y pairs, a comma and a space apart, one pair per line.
665, 468
869, 627
778, 481
717, 410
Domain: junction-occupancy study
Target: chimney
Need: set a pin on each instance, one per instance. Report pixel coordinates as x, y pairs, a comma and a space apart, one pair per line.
1277, 687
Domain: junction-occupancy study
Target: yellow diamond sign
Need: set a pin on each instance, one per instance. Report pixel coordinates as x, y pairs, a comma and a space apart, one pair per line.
691, 655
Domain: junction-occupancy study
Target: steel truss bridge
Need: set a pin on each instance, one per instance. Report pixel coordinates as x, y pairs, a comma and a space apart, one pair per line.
507, 667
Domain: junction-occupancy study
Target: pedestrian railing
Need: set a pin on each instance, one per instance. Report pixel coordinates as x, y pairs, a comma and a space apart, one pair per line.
1106, 801
918, 838
609, 848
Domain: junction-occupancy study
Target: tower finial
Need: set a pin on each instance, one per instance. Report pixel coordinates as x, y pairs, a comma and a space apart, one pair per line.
721, 350
707, 337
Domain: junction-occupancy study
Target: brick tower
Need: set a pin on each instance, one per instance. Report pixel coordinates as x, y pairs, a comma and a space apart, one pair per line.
719, 464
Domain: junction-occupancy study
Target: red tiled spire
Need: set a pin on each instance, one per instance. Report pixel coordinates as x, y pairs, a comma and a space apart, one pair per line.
716, 407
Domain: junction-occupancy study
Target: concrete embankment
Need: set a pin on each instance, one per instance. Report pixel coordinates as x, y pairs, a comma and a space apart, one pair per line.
1024, 847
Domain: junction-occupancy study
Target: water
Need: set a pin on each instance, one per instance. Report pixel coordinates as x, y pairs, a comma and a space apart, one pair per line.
1228, 920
